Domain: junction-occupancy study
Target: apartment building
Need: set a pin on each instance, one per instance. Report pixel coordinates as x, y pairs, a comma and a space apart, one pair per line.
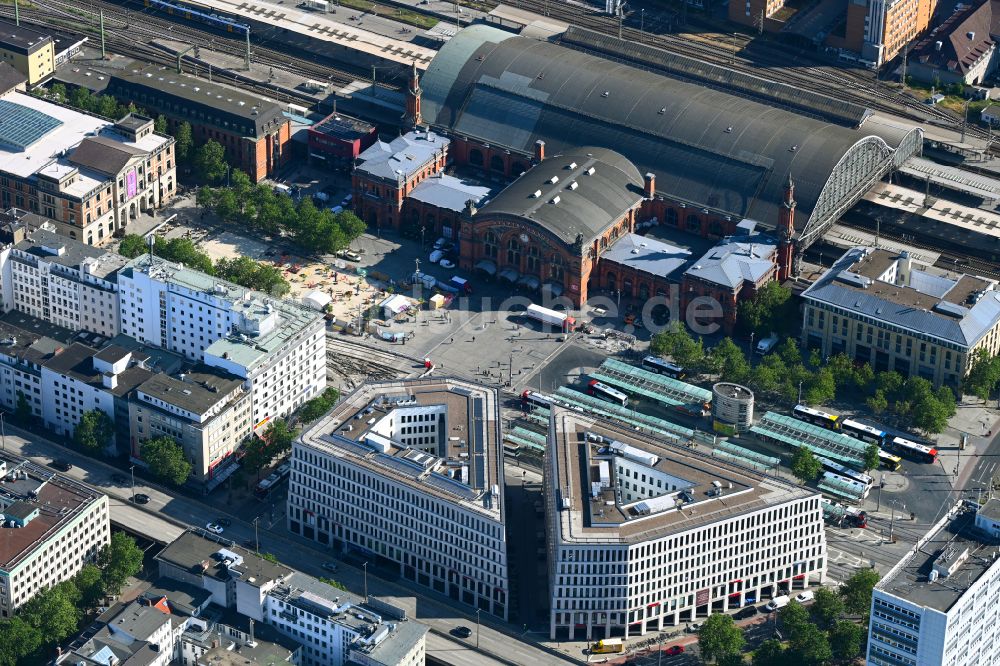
204, 410
278, 347
52, 526
29, 51
410, 472
938, 604
22, 353
334, 627
67, 283
885, 309
90, 176
879, 29
643, 535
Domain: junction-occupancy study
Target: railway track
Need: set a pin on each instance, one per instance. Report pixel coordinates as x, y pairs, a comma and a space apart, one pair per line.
132, 33
358, 363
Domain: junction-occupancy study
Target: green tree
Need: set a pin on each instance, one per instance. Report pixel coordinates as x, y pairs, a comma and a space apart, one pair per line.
768, 375
820, 388
246, 272
23, 414
210, 162
160, 124
826, 608
226, 205
857, 591
730, 660
108, 107
847, 640
984, 374
679, 344
810, 646
132, 245
790, 352
318, 406
53, 613
19, 640
182, 250
770, 309
90, 582
805, 466
871, 457
770, 653
730, 362
119, 560
58, 91
165, 458
94, 431
719, 636
279, 436
256, 455
793, 616
877, 403
269, 557
183, 142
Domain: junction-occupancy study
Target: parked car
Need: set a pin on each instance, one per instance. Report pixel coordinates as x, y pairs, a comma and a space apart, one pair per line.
674, 650
60, 465
436, 256
777, 603
694, 627
225, 522
805, 596
212, 527
447, 263
140, 498
350, 255
744, 613
439, 243
330, 566
462, 632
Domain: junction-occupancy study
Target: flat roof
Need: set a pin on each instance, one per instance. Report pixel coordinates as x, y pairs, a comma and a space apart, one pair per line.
952, 537
77, 361
196, 391
696, 489
342, 127
468, 462
60, 498
292, 317
648, 255
70, 253
196, 553
21, 38
449, 192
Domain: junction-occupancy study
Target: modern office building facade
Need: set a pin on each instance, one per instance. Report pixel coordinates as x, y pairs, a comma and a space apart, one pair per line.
938, 605
410, 472
643, 535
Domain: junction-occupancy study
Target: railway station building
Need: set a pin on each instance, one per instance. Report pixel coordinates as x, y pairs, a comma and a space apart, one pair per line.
409, 475
883, 308
722, 145
643, 535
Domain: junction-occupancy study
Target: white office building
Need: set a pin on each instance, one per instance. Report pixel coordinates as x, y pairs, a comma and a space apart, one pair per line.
939, 605
52, 526
62, 281
643, 535
410, 472
277, 346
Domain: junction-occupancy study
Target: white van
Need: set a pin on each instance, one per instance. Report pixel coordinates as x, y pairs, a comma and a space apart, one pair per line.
767, 345
803, 597
776, 603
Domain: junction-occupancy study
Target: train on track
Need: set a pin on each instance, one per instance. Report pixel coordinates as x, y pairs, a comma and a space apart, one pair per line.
196, 13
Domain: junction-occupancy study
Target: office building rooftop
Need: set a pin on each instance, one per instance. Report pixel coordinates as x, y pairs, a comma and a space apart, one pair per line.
452, 450
54, 248
617, 486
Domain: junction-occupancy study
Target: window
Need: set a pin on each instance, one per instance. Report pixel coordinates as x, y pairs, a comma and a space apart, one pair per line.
513, 252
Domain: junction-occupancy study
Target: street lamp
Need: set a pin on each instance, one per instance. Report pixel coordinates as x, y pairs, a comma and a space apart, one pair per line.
478, 611
256, 535
365, 567
800, 394
132, 470
642, 22
3, 435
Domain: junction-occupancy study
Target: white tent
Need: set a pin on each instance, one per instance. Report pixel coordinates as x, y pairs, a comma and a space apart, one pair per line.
317, 300
395, 304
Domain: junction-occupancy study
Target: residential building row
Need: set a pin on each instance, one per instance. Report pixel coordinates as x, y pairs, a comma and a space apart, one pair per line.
162, 349
216, 603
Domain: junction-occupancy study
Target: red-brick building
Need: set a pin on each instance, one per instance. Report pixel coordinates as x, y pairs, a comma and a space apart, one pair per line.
549, 228
338, 140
